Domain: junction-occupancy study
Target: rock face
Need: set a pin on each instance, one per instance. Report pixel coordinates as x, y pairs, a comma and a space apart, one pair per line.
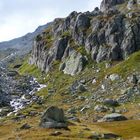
107, 35
53, 118
106, 4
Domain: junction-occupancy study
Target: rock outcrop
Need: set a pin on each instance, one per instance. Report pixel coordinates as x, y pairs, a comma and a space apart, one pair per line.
103, 34
106, 4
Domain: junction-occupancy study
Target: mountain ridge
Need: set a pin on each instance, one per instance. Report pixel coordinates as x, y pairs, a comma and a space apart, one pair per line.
23, 43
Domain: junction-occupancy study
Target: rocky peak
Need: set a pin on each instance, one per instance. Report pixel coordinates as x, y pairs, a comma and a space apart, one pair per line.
106, 4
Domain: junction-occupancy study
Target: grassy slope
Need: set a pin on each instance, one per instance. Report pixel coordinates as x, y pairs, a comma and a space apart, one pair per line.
129, 66
60, 83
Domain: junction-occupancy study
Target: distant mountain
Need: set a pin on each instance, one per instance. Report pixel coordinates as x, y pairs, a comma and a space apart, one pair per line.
24, 43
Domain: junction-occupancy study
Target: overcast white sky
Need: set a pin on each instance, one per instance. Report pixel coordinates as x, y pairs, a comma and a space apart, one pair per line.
18, 17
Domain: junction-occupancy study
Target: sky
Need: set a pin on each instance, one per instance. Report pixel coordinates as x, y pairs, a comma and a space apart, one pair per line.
18, 17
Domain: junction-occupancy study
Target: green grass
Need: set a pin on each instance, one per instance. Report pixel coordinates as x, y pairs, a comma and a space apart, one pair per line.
66, 34
27, 69
127, 67
60, 83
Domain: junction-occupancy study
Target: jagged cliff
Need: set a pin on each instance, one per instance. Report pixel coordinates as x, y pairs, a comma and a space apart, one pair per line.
109, 33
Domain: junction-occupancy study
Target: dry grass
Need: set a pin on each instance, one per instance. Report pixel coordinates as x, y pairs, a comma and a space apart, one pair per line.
10, 130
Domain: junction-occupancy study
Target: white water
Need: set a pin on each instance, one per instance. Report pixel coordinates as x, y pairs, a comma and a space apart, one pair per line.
20, 103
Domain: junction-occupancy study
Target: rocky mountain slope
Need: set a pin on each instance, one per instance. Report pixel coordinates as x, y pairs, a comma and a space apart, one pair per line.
24, 43
89, 66
111, 33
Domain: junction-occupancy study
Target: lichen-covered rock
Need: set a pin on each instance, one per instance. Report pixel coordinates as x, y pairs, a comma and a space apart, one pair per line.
74, 64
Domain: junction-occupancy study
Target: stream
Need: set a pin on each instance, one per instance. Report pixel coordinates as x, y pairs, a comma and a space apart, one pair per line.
16, 93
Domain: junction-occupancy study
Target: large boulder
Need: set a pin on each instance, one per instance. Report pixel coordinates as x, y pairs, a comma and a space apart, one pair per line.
113, 117
110, 102
53, 117
74, 64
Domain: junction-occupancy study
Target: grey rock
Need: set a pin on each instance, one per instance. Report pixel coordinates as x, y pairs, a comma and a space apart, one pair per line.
82, 23
74, 64
96, 12
77, 87
100, 108
98, 136
53, 118
61, 45
12, 73
113, 117
75, 119
82, 88
133, 79
110, 136
110, 102
25, 126
129, 94
131, 4
114, 77
56, 133
106, 4
62, 66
